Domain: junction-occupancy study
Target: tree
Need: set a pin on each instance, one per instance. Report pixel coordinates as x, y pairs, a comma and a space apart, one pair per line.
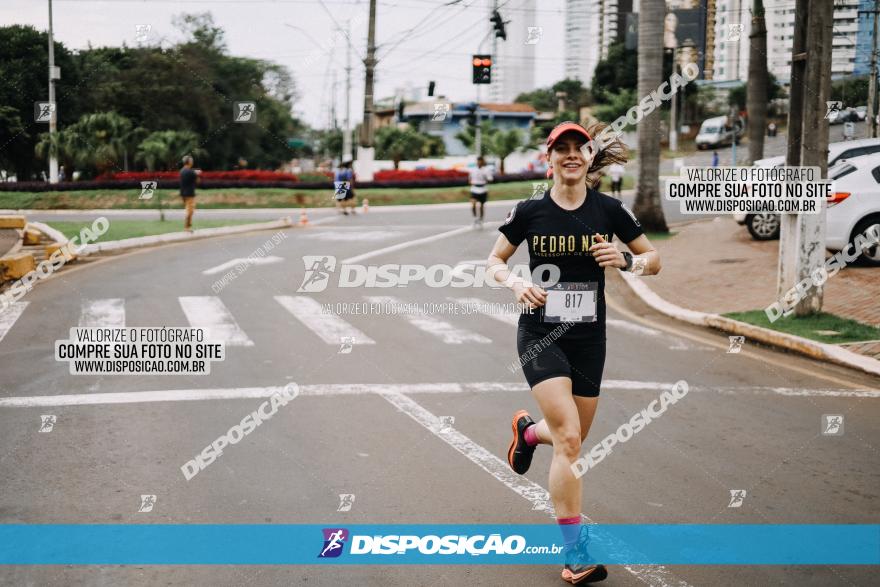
616, 105
615, 73
11, 128
163, 150
544, 99
399, 144
468, 136
648, 206
758, 81
504, 142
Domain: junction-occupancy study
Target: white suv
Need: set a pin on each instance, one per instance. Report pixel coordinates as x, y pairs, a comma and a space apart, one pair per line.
855, 206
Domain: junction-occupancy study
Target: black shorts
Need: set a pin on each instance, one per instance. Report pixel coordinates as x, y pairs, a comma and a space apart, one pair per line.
479, 197
581, 361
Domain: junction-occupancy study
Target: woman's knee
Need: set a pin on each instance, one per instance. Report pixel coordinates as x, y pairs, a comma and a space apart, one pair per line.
567, 441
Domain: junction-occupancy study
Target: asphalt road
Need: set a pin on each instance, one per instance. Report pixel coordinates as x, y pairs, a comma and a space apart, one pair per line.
751, 420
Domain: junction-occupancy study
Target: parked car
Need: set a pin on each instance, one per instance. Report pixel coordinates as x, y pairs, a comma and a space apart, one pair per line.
855, 205
717, 131
764, 226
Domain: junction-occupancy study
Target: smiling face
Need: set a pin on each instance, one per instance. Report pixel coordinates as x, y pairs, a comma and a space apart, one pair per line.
569, 160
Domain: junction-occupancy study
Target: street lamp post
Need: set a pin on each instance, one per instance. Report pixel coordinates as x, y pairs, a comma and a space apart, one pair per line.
53, 115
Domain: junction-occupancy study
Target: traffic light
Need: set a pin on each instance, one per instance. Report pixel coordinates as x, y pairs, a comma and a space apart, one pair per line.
471, 116
499, 25
430, 88
482, 69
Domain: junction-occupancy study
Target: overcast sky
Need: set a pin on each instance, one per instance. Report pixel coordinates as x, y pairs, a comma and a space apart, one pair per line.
439, 49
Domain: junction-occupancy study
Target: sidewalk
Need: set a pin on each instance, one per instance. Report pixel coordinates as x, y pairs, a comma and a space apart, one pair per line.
715, 266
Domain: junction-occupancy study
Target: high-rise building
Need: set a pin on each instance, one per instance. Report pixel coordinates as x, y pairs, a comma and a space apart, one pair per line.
865, 38
591, 26
513, 70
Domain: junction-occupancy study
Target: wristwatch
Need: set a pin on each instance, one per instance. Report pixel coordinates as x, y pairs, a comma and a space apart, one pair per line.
629, 260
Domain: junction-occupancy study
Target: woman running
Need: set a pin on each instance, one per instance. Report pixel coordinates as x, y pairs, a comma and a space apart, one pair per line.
571, 227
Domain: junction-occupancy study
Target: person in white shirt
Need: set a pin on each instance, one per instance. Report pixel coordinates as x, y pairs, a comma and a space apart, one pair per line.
479, 177
616, 171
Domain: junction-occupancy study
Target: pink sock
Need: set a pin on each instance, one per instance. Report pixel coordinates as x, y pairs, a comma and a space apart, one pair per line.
531, 435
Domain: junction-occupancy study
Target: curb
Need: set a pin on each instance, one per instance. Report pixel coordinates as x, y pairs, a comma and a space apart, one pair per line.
804, 346
173, 237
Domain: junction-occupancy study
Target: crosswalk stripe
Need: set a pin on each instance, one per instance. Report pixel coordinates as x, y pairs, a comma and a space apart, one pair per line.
9, 316
331, 328
105, 312
211, 313
488, 309
434, 326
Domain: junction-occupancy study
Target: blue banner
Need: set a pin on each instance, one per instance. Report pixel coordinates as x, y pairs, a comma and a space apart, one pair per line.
366, 544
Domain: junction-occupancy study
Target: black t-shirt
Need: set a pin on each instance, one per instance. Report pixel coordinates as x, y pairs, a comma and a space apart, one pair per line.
563, 238
188, 181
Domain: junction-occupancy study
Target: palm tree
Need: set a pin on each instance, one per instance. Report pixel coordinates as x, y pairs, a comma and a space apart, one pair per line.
503, 143
756, 100
164, 148
648, 204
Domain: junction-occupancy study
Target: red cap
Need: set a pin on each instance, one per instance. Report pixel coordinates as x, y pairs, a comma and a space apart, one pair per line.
565, 127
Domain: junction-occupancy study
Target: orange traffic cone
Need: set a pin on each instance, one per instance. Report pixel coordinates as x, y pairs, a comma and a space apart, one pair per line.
303, 218
366, 205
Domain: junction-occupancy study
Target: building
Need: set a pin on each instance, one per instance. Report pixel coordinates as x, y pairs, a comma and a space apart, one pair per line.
446, 119
513, 71
731, 50
864, 39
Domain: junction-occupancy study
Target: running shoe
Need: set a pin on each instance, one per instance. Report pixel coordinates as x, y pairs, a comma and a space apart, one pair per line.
576, 570
519, 455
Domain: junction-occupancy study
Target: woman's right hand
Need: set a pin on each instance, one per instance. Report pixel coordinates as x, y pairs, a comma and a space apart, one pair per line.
529, 294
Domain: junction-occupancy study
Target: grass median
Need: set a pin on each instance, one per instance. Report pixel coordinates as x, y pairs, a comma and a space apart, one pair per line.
122, 229
821, 327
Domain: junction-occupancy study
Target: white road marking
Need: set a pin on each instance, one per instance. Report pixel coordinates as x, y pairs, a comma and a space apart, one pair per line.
336, 389
534, 493
448, 333
106, 313
362, 236
633, 328
211, 313
242, 261
407, 244
331, 328
484, 308
10, 315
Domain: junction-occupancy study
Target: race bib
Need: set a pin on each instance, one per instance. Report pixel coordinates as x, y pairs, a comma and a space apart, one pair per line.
571, 302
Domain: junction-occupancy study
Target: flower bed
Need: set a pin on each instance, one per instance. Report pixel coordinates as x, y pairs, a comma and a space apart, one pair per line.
418, 174
236, 175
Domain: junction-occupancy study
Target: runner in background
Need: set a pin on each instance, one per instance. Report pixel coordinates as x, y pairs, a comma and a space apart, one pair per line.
343, 183
479, 177
189, 177
615, 171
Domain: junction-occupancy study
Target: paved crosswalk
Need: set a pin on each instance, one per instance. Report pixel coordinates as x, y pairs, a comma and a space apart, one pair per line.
332, 328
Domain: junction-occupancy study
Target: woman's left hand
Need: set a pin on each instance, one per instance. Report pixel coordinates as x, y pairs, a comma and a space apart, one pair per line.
606, 254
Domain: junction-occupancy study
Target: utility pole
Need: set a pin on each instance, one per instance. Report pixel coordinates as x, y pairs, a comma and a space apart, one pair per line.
673, 108
346, 136
366, 153
872, 83
802, 237
53, 116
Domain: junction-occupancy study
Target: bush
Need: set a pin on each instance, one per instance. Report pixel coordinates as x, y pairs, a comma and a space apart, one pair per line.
238, 174
418, 174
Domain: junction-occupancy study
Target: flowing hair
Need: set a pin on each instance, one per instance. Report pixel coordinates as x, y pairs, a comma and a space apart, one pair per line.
605, 153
